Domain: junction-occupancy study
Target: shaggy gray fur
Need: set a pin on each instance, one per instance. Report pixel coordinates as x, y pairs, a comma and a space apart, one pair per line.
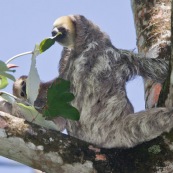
98, 73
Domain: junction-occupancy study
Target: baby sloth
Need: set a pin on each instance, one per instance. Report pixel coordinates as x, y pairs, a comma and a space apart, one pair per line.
98, 73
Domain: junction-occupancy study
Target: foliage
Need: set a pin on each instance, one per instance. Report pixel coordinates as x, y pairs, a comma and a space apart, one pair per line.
4, 69
58, 97
3, 82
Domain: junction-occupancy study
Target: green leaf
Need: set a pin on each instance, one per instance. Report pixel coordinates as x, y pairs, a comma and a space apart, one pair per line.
66, 97
46, 44
58, 98
63, 110
32, 115
3, 82
3, 73
7, 75
3, 66
59, 86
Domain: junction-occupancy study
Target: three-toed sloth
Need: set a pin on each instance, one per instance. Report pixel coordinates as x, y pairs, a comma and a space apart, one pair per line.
98, 73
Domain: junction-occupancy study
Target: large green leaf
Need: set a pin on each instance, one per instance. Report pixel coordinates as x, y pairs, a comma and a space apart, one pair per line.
58, 101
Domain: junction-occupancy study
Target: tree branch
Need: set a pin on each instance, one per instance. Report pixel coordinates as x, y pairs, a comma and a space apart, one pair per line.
40, 148
52, 151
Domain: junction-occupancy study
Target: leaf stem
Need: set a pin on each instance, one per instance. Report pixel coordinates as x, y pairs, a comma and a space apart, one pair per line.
16, 56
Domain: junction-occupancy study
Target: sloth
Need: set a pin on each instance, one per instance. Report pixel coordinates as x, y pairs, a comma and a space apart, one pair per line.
98, 73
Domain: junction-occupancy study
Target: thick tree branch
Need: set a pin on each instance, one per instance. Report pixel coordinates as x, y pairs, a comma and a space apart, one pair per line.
42, 149
51, 151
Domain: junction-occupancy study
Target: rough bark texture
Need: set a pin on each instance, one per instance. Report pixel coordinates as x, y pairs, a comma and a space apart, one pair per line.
171, 78
153, 29
43, 149
153, 24
54, 152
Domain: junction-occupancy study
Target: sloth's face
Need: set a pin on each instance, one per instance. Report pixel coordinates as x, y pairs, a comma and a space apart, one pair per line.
64, 28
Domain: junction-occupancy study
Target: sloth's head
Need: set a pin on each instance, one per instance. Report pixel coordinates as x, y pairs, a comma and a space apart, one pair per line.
64, 28
76, 32
19, 88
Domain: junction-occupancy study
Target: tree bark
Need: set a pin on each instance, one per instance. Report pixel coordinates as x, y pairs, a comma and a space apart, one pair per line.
42, 149
52, 152
171, 77
153, 29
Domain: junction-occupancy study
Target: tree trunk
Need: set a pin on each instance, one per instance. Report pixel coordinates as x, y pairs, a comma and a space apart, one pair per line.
153, 28
54, 152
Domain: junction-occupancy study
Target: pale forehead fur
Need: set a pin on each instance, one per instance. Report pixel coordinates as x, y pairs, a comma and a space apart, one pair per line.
66, 22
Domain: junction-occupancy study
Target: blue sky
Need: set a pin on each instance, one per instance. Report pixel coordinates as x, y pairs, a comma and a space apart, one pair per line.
24, 23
